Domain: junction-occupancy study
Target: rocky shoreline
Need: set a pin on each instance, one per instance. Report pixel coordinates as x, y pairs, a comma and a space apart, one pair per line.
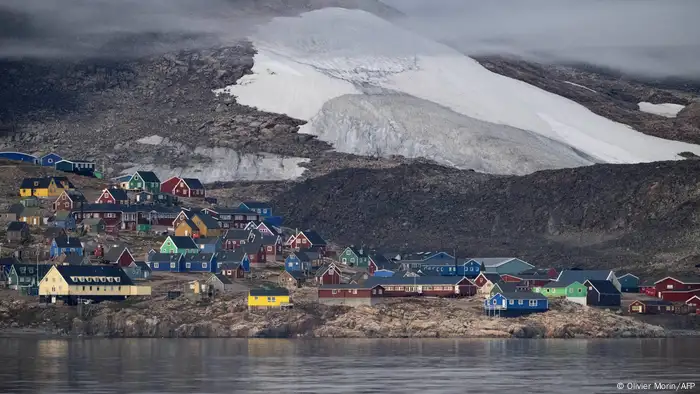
228, 317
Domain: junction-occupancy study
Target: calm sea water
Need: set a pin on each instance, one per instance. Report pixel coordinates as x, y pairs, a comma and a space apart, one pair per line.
341, 366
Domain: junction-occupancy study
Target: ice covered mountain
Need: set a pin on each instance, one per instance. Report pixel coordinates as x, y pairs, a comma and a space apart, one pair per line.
373, 88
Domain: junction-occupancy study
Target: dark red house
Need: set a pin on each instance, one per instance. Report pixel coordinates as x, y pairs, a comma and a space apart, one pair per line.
120, 256
113, 196
677, 289
307, 239
648, 288
273, 247
69, 200
483, 279
350, 294
432, 286
328, 275
256, 252
235, 238
183, 187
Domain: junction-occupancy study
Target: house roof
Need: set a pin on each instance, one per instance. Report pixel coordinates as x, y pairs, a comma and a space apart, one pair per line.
269, 292
193, 183
257, 205
324, 268
567, 277
17, 226
114, 253
36, 270
603, 286
523, 295
118, 194
493, 278
298, 275
183, 242
627, 274
148, 176
420, 280
92, 274
208, 220
31, 211
654, 302
556, 284
53, 232
62, 215
358, 252
73, 259
142, 265
164, 257
237, 234
228, 266
28, 183
201, 257
682, 279
223, 279
507, 287
75, 195
347, 286
64, 241
233, 256
360, 276
314, 237
190, 224
269, 239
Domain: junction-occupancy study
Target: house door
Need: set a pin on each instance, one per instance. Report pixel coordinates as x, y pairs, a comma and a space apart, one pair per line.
503, 303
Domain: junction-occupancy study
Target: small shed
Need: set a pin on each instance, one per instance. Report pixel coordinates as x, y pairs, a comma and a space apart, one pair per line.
291, 279
220, 283
17, 232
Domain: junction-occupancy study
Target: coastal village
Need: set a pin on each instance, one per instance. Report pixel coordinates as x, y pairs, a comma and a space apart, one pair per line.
143, 237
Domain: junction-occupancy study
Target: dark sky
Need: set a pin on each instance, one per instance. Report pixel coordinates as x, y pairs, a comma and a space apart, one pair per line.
655, 37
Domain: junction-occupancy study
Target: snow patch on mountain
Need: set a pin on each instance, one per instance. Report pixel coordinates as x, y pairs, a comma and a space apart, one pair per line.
305, 62
667, 110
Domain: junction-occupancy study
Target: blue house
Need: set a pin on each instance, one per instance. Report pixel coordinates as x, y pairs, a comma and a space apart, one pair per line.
441, 268
515, 304
628, 283
19, 156
262, 208
469, 268
298, 261
64, 220
209, 244
170, 262
76, 166
65, 245
234, 257
200, 262
49, 159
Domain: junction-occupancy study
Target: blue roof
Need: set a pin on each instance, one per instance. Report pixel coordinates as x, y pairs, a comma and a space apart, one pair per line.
603, 286
567, 277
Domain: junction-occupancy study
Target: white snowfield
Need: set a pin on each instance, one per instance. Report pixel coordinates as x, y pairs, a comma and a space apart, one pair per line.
667, 109
311, 67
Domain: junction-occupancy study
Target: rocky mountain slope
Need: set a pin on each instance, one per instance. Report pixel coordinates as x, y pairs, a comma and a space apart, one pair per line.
640, 217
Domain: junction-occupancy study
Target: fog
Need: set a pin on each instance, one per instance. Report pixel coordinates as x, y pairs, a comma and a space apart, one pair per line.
657, 38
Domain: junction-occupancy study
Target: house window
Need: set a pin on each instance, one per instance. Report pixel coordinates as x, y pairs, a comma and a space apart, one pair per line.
204, 265
533, 303
511, 302
374, 291
354, 291
83, 288
98, 288
172, 265
520, 302
188, 265
580, 290
334, 291
495, 302
291, 264
155, 265
345, 260
352, 259
669, 286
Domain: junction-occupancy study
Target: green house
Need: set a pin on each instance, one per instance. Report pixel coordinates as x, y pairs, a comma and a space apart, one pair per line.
145, 180
573, 291
176, 244
354, 257
25, 278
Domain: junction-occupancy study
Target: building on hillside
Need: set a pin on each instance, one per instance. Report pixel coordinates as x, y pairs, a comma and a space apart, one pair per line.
145, 180
580, 276
485, 282
25, 278
298, 261
350, 294
32, 216
573, 291
629, 283
201, 262
602, 293
232, 271
63, 219
51, 186
261, 208
138, 270
535, 279
220, 283
307, 239
113, 195
75, 283
328, 274
69, 200
120, 256
436, 286
82, 167
291, 279
183, 187
17, 232
168, 262
269, 298
49, 159
354, 257
651, 307
377, 262
515, 304
648, 287
65, 245
677, 289
507, 287
209, 244
234, 257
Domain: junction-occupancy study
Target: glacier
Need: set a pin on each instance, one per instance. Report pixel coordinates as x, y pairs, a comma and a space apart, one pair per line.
370, 87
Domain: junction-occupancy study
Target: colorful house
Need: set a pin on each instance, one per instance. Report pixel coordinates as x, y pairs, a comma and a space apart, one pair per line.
71, 283
138, 270
269, 298
146, 181
201, 262
120, 256
574, 291
648, 287
25, 278
629, 283
232, 270
350, 294
439, 257
506, 287
503, 265
209, 244
468, 268
378, 262
298, 261
32, 216
64, 219
354, 257
677, 289
602, 293
170, 262
65, 245
261, 208
291, 279
328, 274
569, 276
186, 228
234, 257
113, 195
51, 186
435, 286
307, 239
84, 167
69, 200
651, 307
183, 187
208, 226
485, 282
515, 304
49, 159
178, 244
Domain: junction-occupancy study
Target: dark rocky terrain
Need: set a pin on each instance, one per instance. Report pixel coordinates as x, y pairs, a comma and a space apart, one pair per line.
641, 217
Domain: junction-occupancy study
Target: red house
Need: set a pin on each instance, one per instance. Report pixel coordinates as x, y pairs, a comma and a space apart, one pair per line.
434, 286
235, 238
350, 294
483, 279
328, 275
113, 196
648, 288
69, 200
677, 289
306, 240
273, 247
694, 302
256, 252
183, 187
120, 256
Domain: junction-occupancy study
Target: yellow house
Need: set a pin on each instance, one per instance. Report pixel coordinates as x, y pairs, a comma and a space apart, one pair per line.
32, 216
207, 224
186, 228
50, 186
72, 283
269, 298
